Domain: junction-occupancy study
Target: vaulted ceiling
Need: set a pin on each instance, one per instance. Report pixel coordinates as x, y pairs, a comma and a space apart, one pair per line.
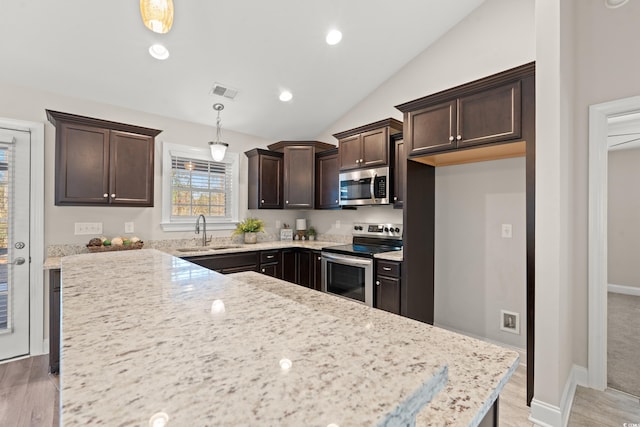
98, 50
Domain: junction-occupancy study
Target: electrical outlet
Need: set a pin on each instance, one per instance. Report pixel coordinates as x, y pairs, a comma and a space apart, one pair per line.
278, 224
81, 228
507, 231
128, 227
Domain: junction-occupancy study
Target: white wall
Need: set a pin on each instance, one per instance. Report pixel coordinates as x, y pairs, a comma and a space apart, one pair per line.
27, 104
623, 212
477, 272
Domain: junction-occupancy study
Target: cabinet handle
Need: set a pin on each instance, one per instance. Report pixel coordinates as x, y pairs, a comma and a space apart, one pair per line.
451, 138
270, 256
287, 202
263, 270
319, 258
377, 283
386, 268
395, 198
360, 160
262, 201
105, 195
459, 137
336, 201
113, 195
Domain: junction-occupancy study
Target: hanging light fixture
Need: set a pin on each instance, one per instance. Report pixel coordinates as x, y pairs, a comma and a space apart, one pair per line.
218, 147
157, 15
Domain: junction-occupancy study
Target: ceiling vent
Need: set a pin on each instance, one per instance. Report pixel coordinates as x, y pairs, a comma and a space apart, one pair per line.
220, 89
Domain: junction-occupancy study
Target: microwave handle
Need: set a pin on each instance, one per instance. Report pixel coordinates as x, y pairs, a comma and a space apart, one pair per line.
373, 187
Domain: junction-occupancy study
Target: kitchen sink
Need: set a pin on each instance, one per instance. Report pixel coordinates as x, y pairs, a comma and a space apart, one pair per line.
206, 248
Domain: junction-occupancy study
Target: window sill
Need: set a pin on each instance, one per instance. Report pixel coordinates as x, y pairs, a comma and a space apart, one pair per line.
189, 226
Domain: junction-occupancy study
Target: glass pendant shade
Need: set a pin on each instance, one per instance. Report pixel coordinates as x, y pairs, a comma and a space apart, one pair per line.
217, 150
157, 15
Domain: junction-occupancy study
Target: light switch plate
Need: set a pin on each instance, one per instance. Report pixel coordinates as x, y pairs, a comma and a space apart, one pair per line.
128, 227
507, 231
81, 228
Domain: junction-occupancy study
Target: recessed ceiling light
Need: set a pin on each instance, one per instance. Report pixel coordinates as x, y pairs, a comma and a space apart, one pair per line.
159, 52
334, 37
286, 96
612, 4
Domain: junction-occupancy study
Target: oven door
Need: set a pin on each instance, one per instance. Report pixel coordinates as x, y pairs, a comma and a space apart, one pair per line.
348, 276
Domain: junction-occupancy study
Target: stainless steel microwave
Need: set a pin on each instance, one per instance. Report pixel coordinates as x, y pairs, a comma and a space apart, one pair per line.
365, 187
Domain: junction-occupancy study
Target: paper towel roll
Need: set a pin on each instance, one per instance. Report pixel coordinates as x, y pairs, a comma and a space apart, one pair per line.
301, 224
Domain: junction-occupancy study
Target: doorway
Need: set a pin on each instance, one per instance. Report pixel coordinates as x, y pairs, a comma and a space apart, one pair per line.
21, 238
606, 120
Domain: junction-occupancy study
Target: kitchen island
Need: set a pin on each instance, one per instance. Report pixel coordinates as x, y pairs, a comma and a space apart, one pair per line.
146, 334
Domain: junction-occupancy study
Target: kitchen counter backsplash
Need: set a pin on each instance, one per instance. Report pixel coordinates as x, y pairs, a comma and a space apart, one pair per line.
169, 244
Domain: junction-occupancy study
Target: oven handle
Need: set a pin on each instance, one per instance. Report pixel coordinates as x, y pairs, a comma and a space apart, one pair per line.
347, 260
373, 187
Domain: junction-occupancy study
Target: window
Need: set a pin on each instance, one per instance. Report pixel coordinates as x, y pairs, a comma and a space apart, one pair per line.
193, 184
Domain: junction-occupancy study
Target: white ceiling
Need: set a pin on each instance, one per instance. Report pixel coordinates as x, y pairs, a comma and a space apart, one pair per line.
97, 50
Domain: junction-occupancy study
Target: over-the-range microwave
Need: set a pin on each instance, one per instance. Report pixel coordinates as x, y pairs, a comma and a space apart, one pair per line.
362, 187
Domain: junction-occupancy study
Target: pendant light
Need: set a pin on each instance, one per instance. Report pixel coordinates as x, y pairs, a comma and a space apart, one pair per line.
218, 147
157, 15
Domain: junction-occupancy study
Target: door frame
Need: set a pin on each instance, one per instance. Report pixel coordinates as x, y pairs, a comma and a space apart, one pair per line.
599, 115
37, 345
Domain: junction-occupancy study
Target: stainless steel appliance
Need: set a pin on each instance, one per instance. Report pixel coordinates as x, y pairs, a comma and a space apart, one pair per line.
365, 187
348, 269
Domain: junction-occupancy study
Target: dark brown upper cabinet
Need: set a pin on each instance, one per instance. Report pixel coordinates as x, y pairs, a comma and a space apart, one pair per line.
327, 183
399, 171
367, 146
265, 179
99, 162
484, 115
299, 171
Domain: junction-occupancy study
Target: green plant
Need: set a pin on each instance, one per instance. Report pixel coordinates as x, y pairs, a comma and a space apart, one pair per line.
249, 225
311, 231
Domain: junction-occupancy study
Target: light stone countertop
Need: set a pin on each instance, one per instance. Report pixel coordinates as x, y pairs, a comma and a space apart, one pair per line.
391, 256
144, 332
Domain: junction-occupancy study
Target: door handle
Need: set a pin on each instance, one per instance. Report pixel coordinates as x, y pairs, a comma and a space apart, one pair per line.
18, 261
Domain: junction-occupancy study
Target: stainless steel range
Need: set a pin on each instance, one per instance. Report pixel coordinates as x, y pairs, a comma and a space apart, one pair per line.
348, 269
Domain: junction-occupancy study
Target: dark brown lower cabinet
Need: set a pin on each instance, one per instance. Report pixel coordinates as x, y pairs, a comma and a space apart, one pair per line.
54, 321
298, 267
387, 293
270, 263
227, 263
317, 271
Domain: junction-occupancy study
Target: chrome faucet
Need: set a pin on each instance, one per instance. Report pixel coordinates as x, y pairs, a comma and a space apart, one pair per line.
204, 229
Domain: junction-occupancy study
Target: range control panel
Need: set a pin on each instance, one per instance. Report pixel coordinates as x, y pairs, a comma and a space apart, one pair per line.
379, 230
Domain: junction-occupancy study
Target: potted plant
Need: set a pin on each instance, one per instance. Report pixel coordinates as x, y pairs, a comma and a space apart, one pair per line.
311, 232
250, 227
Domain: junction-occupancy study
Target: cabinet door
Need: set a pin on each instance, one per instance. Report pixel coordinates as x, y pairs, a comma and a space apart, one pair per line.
350, 149
82, 165
131, 169
305, 268
388, 294
375, 148
489, 116
431, 129
272, 270
327, 174
317, 270
399, 174
270, 182
289, 265
299, 177
54, 321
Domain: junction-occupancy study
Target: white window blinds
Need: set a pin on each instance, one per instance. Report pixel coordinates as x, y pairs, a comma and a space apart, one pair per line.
200, 187
6, 190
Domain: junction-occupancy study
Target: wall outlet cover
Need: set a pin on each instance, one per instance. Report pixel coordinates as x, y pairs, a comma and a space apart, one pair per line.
510, 321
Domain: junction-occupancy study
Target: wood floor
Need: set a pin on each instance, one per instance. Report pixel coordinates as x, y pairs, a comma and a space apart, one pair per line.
29, 397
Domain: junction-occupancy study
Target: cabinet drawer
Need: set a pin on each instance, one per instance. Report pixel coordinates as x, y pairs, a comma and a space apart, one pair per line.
388, 268
269, 256
226, 262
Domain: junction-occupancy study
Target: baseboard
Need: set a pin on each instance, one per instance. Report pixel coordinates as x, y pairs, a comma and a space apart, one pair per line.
522, 352
623, 289
546, 415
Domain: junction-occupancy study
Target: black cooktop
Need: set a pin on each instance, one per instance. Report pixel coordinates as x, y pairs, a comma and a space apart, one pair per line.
366, 248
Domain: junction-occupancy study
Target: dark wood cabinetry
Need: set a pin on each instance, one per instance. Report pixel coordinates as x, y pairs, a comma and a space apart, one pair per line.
489, 115
270, 263
367, 146
54, 321
399, 171
388, 281
102, 163
317, 271
299, 171
227, 263
298, 266
265, 182
327, 180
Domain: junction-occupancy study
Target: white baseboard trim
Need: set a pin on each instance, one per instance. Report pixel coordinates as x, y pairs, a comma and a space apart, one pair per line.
623, 289
546, 415
522, 352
